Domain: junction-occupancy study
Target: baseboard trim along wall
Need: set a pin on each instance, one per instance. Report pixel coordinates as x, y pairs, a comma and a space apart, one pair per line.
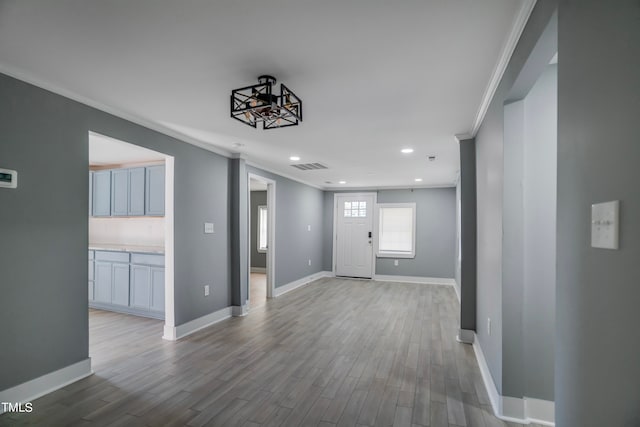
415, 279
258, 270
281, 290
181, 331
33, 389
524, 411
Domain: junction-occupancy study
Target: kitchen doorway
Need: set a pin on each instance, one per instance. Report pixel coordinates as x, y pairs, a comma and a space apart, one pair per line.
131, 232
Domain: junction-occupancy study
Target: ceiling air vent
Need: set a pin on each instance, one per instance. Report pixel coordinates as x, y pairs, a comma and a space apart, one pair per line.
309, 166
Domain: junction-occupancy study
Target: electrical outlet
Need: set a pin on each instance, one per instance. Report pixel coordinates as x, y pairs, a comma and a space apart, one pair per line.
395, 262
488, 325
309, 262
308, 228
206, 290
208, 228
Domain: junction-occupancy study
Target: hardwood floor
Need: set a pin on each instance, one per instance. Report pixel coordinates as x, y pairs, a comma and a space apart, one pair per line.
258, 290
334, 353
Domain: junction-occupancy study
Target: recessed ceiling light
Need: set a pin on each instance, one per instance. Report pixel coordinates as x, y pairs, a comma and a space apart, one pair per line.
418, 179
342, 182
294, 158
407, 150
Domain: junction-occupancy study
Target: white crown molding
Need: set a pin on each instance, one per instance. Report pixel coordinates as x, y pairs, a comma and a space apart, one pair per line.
389, 187
283, 175
141, 121
460, 137
503, 60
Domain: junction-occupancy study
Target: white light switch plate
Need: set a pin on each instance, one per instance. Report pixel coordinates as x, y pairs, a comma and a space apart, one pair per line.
208, 228
605, 225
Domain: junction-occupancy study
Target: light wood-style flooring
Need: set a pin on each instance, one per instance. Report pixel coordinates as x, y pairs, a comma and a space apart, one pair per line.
333, 353
257, 290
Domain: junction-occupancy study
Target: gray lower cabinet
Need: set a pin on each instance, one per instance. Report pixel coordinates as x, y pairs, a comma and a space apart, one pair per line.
91, 276
120, 293
157, 289
129, 282
103, 281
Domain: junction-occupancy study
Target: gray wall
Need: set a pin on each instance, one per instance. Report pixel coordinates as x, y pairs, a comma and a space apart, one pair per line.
44, 276
540, 182
468, 235
490, 181
529, 239
435, 232
597, 344
457, 261
297, 206
258, 259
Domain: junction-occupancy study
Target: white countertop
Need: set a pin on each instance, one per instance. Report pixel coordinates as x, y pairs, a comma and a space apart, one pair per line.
126, 248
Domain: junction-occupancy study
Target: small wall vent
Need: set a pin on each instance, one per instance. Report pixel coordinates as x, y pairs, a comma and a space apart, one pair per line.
309, 166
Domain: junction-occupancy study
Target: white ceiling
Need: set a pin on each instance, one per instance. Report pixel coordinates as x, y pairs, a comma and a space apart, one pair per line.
109, 151
375, 76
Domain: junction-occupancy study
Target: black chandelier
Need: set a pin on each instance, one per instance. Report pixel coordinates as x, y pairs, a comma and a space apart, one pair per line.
259, 103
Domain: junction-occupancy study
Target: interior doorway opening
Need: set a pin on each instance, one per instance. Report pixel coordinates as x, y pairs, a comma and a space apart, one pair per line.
131, 239
261, 240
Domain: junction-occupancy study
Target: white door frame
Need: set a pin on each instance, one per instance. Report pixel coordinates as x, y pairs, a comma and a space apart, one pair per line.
335, 227
271, 234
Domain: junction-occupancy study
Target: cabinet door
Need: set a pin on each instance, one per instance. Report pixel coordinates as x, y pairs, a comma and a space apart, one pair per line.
103, 275
140, 286
157, 289
120, 192
102, 193
120, 291
136, 191
154, 193
90, 193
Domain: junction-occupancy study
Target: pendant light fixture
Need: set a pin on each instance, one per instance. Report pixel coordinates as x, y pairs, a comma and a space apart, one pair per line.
259, 103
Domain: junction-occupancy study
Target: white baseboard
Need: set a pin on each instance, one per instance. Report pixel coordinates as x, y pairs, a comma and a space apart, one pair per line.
466, 336
258, 269
239, 310
181, 331
415, 279
33, 389
280, 290
524, 411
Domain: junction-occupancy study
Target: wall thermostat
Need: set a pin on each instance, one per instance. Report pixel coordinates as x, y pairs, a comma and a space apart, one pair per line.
8, 178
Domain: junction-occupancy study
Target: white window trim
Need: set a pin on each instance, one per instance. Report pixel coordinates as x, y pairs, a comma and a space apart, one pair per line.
395, 254
259, 249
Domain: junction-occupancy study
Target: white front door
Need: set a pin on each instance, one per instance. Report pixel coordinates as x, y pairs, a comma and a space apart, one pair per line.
354, 228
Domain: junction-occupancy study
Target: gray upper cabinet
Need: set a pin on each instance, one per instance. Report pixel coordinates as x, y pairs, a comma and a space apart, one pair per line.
127, 192
119, 192
101, 193
90, 193
154, 194
136, 191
